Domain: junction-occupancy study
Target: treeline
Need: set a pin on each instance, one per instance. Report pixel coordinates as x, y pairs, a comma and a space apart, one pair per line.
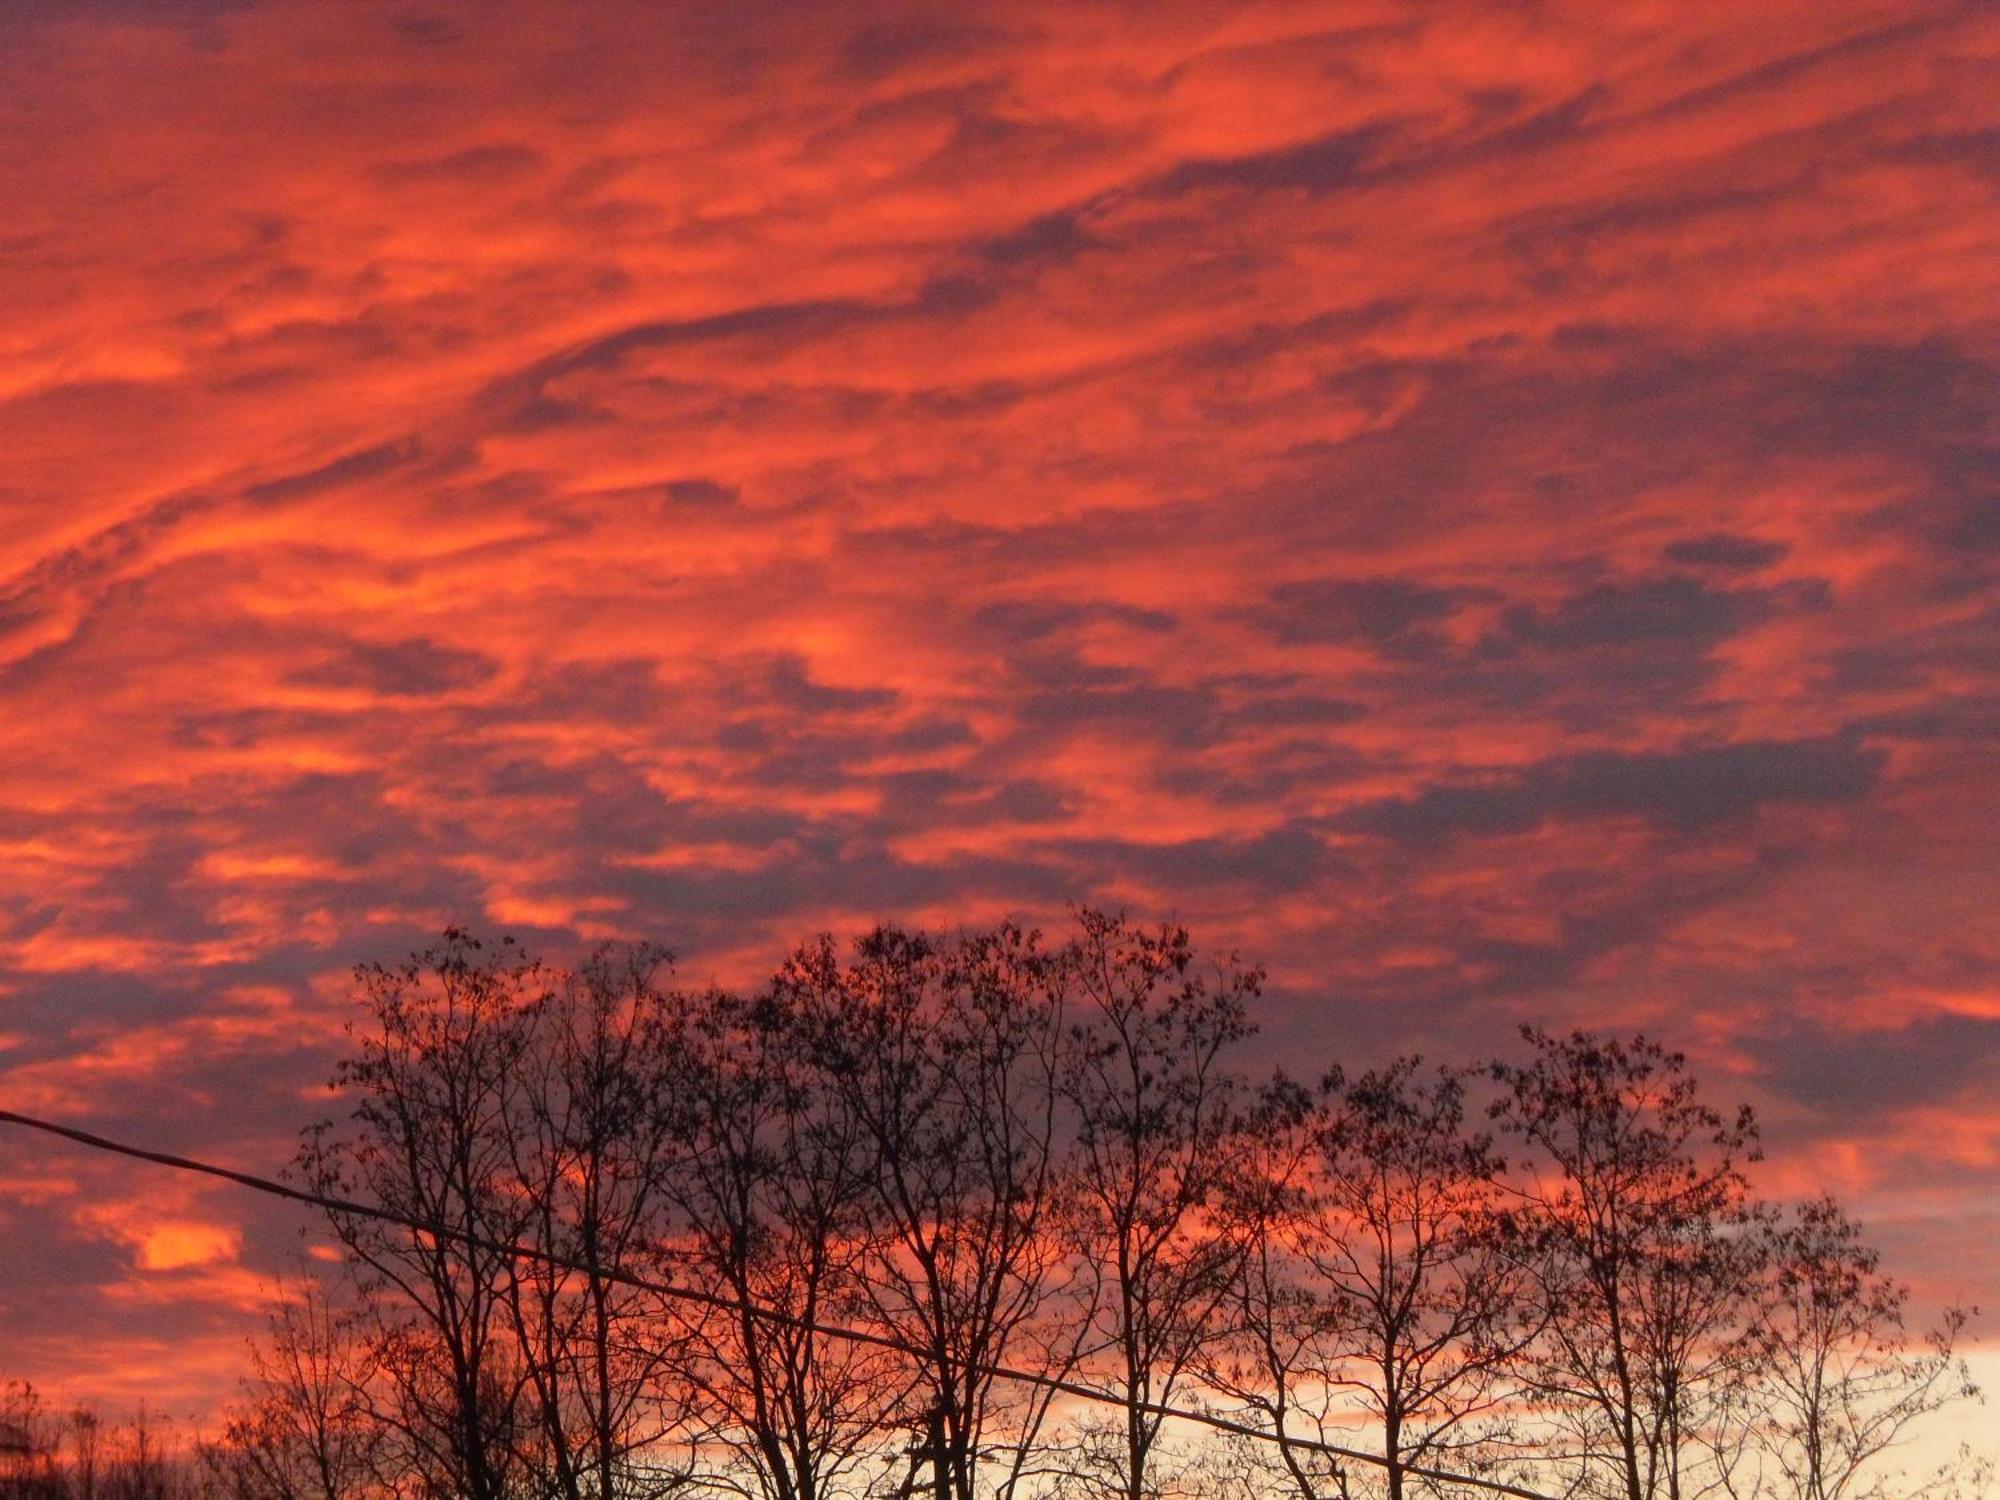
73, 1453
993, 1216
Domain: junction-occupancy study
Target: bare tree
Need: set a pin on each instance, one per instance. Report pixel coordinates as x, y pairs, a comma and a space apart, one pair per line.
945, 1055
1378, 1281
30, 1435
303, 1431
1842, 1382
767, 1196
1270, 1368
1640, 1229
1156, 1114
149, 1460
1426, 1288
83, 1438
434, 1082
589, 1152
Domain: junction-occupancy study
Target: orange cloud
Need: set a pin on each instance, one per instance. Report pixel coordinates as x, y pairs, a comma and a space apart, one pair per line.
179, 1246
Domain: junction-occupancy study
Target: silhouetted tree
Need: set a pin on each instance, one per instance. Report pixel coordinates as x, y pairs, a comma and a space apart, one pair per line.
1378, 1276
946, 1054
1270, 1367
1638, 1227
1423, 1283
1841, 1381
434, 1082
590, 1150
304, 1431
768, 1193
83, 1436
29, 1437
1156, 1111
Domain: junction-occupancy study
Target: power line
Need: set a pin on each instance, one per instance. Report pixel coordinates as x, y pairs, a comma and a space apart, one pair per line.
756, 1310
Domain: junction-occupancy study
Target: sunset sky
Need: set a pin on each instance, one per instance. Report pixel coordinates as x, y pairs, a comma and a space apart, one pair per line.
1489, 509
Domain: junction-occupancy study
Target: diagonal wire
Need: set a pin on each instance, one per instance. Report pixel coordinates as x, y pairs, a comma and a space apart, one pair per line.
1051, 1383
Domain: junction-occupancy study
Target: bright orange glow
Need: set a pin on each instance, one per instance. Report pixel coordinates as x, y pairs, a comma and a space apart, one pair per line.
176, 1247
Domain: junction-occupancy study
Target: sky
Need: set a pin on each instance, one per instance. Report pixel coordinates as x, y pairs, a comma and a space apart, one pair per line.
1489, 510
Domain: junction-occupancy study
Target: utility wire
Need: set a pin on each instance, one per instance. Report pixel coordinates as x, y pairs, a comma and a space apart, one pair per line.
756, 1310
